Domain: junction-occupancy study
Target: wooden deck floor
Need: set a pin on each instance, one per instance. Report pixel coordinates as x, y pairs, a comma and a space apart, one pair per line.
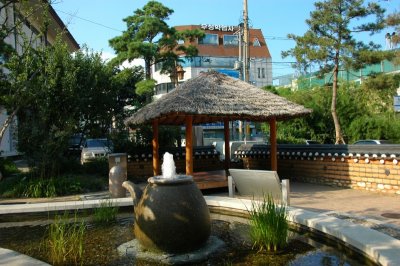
210, 179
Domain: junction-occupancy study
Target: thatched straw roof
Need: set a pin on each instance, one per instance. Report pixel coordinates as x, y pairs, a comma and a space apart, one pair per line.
213, 96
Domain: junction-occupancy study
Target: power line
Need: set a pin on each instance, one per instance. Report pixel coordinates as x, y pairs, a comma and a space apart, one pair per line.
114, 29
277, 38
283, 62
90, 21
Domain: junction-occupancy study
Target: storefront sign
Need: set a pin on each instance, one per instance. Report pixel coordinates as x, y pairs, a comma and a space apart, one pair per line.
217, 27
396, 103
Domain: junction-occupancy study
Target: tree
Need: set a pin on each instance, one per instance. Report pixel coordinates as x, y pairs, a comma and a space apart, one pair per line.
148, 36
47, 118
393, 20
96, 98
365, 111
141, 39
11, 100
329, 42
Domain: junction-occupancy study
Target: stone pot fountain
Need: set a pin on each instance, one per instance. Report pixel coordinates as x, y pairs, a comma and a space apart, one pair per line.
171, 214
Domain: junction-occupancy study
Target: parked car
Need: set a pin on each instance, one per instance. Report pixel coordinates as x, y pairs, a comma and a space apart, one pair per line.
75, 145
95, 148
372, 141
311, 142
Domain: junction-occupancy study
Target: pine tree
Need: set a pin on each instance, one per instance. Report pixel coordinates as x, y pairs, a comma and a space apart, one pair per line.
330, 43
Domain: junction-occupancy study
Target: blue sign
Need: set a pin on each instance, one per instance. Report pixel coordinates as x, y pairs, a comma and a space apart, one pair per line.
229, 72
396, 103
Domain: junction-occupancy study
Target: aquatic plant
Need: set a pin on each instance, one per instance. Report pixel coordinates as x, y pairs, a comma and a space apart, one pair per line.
106, 213
65, 240
269, 226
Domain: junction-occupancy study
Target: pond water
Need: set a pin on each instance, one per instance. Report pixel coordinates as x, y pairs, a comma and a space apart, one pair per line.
101, 242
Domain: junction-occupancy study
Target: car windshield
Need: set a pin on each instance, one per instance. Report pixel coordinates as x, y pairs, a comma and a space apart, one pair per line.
91, 143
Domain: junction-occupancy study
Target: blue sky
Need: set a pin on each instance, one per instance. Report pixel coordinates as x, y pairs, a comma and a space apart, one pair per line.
94, 22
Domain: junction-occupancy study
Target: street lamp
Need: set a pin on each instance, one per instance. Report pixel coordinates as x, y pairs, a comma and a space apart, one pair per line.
177, 74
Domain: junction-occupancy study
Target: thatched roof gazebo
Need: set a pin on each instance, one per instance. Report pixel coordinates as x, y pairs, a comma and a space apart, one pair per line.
215, 97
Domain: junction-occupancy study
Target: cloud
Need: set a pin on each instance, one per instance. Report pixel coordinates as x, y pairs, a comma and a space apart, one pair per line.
106, 56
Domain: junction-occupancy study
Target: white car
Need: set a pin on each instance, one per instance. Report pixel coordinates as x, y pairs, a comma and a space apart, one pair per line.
372, 141
95, 148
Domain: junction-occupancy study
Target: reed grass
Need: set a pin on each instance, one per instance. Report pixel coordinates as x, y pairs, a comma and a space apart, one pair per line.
106, 213
269, 227
65, 241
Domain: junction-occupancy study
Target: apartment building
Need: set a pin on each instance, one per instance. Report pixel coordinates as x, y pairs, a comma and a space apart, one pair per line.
25, 19
219, 50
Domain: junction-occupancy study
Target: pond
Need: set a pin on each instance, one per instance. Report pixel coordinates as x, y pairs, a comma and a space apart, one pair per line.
101, 243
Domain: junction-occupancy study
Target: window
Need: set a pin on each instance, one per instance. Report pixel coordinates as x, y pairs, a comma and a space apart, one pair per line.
261, 73
231, 40
256, 42
209, 39
158, 66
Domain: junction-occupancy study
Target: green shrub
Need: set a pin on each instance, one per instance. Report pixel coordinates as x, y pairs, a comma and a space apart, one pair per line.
8, 167
269, 226
52, 187
106, 213
40, 188
65, 241
98, 166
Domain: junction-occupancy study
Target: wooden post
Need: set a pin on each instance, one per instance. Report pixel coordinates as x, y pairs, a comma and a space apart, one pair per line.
227, 147
189, 145
156, 160
272, 140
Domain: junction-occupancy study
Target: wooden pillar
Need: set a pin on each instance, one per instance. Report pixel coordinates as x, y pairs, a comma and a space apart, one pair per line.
189, 145
227, 147
272, 141
155, 144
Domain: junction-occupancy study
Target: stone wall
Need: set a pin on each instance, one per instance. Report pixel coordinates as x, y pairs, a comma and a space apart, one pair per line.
366, 168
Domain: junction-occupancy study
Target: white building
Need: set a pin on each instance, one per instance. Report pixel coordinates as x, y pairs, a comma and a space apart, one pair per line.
26, 18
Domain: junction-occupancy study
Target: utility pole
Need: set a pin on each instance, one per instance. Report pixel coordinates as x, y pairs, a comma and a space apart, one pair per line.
246, 52
246, 47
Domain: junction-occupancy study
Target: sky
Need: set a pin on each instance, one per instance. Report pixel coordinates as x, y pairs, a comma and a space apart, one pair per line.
95, 22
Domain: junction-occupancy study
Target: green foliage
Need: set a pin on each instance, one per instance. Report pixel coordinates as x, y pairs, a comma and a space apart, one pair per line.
145, 87
39, 188
148, 36
8, 167
106, 213
269, 227
97, 166
168, 135
53, 83
140, 40
20, 186
44, 78
365, 111
65, 241
330, 43
96, 95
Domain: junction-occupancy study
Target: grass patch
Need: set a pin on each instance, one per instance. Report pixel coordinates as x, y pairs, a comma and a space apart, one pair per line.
65, 241
26, 186
269, 227
106, 213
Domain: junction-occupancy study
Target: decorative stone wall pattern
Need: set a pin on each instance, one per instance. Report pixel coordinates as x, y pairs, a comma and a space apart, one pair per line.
373, 172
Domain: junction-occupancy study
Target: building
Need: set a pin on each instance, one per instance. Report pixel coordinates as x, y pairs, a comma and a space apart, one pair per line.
219, 50
25, 19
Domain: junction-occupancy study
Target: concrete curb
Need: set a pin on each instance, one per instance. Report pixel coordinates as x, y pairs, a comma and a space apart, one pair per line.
379, 247
12, 258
